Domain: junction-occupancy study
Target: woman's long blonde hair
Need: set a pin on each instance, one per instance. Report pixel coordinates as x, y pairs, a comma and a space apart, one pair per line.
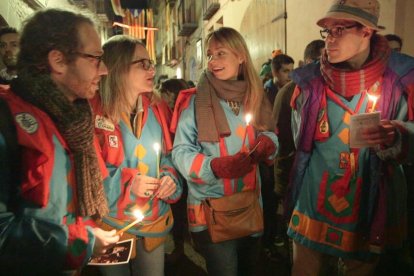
254, 99
115, 98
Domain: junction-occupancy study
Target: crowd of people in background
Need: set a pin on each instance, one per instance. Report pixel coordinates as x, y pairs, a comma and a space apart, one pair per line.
87, 138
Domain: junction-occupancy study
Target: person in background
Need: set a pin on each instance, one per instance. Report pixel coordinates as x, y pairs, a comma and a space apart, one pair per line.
283, 163
160, 79
130, 119
169, 91
266, 71
282, 65
209, 126
191, 84
170, 88
345, 201
313, 51
9, 48
51, 174
395, 42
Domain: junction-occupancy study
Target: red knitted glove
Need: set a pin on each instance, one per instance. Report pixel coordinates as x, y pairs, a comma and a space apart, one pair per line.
265, 148
234, 166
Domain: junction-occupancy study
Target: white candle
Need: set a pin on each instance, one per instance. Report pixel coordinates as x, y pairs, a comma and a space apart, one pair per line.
157, 151
138, 214
248, 118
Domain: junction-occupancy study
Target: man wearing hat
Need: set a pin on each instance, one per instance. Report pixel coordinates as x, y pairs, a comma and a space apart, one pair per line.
345, 201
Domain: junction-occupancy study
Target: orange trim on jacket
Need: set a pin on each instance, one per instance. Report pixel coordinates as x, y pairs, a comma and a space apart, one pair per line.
182, 102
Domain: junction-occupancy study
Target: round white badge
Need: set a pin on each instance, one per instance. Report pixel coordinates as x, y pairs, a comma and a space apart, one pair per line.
27, 122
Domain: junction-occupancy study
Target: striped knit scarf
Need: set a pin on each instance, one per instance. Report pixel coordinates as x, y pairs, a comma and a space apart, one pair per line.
211, 119
75, 124
349, 83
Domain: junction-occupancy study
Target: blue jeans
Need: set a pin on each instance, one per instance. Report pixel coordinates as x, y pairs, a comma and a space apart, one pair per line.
228, 258
144, 264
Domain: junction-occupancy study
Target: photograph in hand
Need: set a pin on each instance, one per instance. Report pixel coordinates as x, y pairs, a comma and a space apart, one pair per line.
119, 254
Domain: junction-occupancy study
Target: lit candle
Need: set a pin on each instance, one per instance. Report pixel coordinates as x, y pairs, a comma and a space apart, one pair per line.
374, 99
248, 118
157, 151
138, 214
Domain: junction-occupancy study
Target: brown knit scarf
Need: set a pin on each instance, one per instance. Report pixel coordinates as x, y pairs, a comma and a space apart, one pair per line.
211, 120
349, 83
75, 123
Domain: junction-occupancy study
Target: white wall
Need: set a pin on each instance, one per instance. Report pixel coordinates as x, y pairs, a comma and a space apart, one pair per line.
404, 25
15, 11
232, 13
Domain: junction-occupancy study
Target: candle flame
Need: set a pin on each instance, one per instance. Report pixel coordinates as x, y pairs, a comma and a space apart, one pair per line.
156, 147
372, 97
138, 214
248, 118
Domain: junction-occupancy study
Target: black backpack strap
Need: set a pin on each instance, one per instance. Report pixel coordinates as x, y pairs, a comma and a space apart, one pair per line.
12, 154
7, 127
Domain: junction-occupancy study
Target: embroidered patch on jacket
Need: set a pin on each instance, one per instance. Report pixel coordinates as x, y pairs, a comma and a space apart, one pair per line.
103, 123
343, 160
340, 204
295, 220
113, 141
27, 122
344, 136
323, 127
334, 236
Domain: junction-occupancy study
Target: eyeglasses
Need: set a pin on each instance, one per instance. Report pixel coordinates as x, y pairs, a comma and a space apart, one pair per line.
98, 58
335, 32
219, 55
146, 64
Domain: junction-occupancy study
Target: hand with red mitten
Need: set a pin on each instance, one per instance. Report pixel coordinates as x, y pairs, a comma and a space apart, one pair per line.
234, 166
265, 148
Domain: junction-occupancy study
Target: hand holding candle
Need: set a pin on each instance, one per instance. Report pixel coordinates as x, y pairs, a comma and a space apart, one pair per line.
138, 214
248, 118
157, 152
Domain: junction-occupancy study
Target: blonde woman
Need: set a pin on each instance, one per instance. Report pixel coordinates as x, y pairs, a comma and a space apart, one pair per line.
130, 120
208, 142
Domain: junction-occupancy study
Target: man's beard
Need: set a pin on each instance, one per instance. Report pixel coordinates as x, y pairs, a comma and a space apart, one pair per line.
11, 68
10, 62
